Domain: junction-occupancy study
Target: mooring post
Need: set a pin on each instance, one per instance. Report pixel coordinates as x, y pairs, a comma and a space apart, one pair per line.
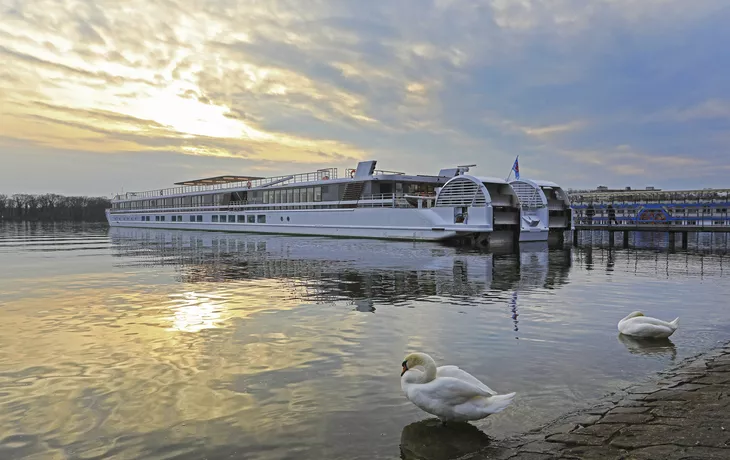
626, 239
685, 237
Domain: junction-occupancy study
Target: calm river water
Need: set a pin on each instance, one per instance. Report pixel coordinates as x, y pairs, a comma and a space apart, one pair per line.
142, 344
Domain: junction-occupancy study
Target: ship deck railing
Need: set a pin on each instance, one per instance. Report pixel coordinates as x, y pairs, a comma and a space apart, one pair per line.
287, 179
386, 200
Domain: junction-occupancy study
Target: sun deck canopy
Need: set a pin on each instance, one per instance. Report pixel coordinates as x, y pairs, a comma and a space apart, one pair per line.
219, 180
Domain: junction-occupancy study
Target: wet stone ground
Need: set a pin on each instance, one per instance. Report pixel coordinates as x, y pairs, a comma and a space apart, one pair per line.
684, 414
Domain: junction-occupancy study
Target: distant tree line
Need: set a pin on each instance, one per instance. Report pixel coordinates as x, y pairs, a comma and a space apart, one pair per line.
52, 207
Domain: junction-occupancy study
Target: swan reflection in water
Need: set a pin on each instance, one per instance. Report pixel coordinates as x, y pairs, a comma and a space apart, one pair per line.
365, 306
648, 347
430, 440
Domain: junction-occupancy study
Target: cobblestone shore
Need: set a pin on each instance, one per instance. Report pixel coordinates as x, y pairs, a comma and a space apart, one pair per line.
684, 414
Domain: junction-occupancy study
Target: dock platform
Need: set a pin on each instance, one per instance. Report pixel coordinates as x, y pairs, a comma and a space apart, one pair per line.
659, 228
673, 212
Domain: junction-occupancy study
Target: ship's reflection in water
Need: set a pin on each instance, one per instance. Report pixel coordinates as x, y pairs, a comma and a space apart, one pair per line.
360, 272
131, 343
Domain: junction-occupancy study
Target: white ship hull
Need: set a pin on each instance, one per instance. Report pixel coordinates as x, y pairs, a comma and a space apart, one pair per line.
385, 223
529, 236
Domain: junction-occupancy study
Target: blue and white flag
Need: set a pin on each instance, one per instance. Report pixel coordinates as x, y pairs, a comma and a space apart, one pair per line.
516, 167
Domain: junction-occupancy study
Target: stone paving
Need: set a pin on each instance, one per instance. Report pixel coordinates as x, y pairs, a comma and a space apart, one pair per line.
685, 414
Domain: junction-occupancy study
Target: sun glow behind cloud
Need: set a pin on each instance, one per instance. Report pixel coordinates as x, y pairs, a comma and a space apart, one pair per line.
153, 85
190, 116
328, 83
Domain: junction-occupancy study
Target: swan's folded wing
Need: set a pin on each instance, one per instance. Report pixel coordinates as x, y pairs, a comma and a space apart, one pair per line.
451, 391
458, 373
647, 330
650, 320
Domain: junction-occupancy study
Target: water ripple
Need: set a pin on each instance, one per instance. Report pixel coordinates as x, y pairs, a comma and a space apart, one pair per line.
131, 344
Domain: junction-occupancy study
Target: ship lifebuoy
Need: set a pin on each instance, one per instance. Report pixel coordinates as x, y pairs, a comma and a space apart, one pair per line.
352, 174
248, 184
325, 178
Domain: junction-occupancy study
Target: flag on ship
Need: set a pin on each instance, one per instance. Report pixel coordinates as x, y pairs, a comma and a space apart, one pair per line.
516, 167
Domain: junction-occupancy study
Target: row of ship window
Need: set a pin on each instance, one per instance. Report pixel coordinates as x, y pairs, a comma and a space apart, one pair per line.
290, 195
240, 219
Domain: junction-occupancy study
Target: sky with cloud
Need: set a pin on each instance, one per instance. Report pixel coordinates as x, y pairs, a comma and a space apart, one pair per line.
100, 96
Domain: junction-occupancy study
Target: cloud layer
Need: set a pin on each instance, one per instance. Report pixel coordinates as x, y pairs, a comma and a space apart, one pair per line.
95, 96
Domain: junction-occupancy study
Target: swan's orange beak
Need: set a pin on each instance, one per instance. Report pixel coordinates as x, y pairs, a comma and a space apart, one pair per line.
405, 368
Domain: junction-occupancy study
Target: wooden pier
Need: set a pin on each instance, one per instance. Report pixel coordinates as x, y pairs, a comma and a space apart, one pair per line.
675, 212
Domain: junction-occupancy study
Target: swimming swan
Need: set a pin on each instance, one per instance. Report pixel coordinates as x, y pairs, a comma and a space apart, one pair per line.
638, 325
448, 392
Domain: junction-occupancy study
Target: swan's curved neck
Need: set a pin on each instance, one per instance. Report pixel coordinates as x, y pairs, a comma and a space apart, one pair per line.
429, 365
635, 314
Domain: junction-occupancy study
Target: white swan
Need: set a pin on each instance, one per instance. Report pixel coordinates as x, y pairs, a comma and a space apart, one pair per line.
637, 325
448, 392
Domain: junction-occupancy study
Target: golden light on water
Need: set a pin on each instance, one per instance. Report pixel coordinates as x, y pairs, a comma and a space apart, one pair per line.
193, 312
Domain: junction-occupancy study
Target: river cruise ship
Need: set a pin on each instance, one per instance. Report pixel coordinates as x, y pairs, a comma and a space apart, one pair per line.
365, 203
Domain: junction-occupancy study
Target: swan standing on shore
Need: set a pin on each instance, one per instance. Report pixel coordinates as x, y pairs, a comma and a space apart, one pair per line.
637, 325
448, 392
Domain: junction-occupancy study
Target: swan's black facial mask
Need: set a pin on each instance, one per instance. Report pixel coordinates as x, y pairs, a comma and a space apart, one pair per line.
405, 368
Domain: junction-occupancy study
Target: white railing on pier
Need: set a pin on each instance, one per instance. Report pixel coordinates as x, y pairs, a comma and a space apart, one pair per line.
650, 196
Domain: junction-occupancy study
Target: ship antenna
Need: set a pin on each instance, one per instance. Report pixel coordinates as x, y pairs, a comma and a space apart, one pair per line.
464, 168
